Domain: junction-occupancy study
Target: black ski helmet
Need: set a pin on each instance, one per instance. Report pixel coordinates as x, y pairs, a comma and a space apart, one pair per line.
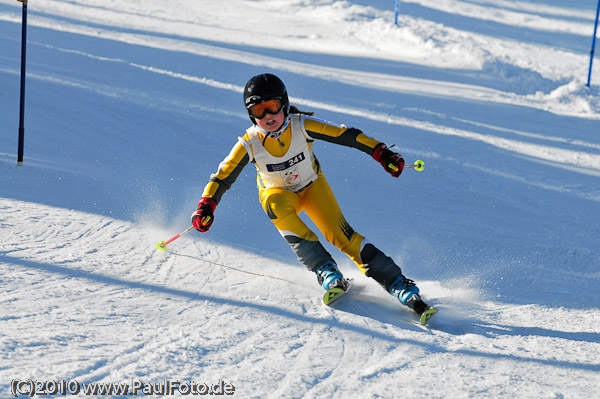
263, 87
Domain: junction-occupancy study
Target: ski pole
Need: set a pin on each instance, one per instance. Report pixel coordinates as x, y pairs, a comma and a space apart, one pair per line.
161, 246
418, 166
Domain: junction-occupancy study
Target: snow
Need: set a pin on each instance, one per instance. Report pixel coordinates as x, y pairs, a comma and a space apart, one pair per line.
132, 105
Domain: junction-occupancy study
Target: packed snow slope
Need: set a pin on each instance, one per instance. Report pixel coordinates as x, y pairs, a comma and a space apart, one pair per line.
131, 105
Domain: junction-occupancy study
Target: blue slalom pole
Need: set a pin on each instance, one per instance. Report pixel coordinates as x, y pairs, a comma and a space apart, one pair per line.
22, 109
397, 10
593, 45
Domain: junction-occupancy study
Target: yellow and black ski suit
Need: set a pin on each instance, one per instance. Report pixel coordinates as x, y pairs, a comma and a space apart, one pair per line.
290, 181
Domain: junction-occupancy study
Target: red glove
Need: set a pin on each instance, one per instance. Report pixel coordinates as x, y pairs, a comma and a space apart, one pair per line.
203, 217
392, 162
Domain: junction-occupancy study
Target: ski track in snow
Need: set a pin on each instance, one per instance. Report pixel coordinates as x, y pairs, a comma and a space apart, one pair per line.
156, 314
88, 297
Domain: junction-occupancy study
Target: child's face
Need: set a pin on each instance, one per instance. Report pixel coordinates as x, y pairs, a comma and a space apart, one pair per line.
271, 122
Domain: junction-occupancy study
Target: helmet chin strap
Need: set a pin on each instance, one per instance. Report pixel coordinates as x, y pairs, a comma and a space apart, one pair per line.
276, 134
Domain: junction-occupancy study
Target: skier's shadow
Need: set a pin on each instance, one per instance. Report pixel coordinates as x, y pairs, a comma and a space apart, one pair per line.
382, 308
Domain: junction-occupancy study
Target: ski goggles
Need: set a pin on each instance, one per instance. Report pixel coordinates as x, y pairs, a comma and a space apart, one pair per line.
259, 110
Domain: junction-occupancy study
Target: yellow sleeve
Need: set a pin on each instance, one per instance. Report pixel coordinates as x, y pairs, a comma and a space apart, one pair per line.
339, 134
227, 173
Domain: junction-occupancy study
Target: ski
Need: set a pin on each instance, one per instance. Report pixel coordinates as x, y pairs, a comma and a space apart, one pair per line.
422, 309
335, 293
427, 314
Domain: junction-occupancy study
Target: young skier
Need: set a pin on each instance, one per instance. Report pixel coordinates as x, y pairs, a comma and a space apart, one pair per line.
290, 180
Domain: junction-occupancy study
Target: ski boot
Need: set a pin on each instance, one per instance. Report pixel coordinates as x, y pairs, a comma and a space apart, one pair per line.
329, 276
408, 294
332, 281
